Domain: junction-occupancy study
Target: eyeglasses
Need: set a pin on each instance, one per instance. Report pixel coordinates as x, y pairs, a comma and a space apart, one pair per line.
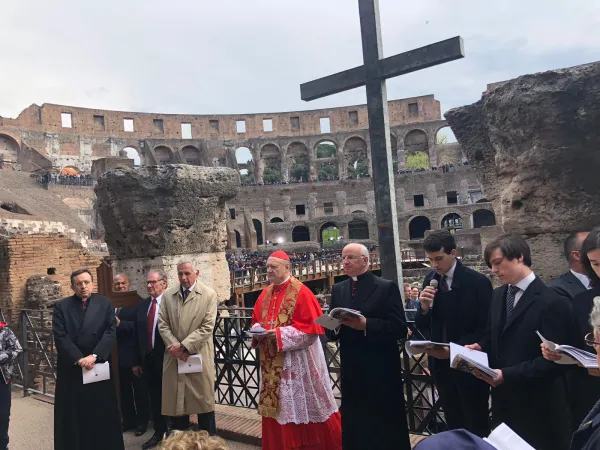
589, 340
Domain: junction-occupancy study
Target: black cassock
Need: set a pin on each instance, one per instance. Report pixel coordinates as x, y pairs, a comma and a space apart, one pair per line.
85, 416
373, 415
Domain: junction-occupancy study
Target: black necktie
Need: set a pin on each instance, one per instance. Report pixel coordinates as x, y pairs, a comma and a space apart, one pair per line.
185, 294
444, 284
510, 300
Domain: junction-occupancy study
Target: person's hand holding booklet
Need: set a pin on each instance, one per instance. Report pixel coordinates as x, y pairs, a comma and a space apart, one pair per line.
468, 360
333, 320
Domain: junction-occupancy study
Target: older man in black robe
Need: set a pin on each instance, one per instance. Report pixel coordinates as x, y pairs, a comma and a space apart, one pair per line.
373, 415
86, 416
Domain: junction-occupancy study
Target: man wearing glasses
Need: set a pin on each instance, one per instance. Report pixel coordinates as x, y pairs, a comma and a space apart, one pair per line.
151, 350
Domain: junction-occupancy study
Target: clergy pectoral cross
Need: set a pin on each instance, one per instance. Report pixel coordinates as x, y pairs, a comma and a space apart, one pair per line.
271, 322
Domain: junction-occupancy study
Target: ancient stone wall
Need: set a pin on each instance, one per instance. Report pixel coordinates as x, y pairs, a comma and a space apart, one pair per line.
533, 143
38, 138
24, 255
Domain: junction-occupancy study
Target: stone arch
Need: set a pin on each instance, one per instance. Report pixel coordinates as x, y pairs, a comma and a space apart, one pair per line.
163, 155
276, 220
270, 159
451, 221
416, 149
325, 235
245, 164
9, 149
300, 234
191, 155
70, 170
417, 226
299, 158
483, 218
323, 149
394, 147
131, 152
358, 229
259, 231
356, 161
444, 137
238, 239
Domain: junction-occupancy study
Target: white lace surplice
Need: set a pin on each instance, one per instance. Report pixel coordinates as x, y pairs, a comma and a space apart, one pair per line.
305, 394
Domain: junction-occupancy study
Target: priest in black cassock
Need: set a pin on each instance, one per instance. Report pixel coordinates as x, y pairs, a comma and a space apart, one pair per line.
85, 416
373, 415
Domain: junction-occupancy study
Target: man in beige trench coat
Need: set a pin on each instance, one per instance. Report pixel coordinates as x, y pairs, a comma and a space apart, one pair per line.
186, 321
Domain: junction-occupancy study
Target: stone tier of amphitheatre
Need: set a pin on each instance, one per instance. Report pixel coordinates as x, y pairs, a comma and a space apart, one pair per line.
58, 136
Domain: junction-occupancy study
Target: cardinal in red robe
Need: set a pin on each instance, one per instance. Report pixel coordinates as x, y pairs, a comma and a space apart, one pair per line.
296, 399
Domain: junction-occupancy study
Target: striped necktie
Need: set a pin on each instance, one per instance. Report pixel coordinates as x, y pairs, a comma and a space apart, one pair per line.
510, 300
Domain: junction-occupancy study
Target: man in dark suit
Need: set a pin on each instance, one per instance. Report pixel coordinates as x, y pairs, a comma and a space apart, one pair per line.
574, 281
529, 393
150, 351
83, 325
373, 415
462, 302
134, 395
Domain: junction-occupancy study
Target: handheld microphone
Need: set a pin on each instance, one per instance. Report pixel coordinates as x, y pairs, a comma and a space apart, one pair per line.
434, 284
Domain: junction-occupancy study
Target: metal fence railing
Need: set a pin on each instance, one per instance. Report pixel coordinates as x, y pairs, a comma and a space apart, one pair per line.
237, 365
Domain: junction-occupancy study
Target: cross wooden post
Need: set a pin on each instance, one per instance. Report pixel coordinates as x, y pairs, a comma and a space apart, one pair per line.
372, 74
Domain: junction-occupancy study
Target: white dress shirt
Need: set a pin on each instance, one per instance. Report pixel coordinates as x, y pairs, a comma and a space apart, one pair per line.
158, 299
450, 276
581, 277
523, 285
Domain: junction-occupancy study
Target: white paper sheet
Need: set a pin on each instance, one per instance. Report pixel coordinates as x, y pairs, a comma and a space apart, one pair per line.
99, 372
192, 365
504, 438
418, 347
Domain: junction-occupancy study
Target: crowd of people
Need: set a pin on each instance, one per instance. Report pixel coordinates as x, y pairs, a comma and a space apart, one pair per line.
244, 259
65, 179
167, 370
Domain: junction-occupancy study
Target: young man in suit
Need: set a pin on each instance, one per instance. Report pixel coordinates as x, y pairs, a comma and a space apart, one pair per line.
134, 395
575, 280
462, 300
151, 350
529, 393
373, 415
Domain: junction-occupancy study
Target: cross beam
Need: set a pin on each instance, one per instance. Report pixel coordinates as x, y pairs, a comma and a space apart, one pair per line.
372, 74
393, 66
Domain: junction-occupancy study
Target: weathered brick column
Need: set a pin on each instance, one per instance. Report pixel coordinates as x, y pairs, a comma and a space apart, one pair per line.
155, 216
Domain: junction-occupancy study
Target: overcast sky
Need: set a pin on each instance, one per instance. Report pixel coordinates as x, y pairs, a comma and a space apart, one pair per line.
243, 56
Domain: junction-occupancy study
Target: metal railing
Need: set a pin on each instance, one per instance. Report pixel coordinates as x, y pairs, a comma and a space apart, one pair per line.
237, 365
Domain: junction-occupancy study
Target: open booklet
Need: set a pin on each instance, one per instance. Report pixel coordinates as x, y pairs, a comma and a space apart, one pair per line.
418, 347
333, 320
467, 360
571, 355
503, 438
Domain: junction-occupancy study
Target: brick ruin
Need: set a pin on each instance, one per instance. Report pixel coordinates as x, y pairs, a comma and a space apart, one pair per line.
35, 257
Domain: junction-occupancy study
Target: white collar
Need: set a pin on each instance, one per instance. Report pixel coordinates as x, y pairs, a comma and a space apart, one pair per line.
190, 289
450, 273
283, 282
525, 282
158, 299
354, 278
583, 278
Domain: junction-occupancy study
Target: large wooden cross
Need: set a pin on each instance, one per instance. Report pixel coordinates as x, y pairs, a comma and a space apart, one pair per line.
372, 75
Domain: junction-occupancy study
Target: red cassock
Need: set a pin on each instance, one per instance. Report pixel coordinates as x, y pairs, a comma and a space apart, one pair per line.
307, 417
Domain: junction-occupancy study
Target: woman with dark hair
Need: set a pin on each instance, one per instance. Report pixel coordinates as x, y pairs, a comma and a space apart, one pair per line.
584, 390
